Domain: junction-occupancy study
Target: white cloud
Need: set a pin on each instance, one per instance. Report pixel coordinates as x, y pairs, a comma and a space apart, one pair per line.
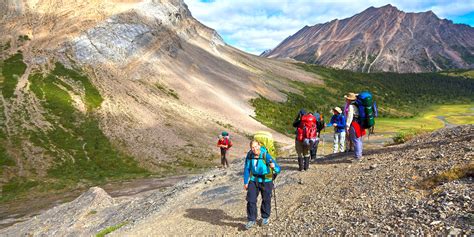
255, 26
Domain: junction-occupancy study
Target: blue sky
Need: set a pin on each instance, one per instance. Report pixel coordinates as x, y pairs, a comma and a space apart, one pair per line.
257, 25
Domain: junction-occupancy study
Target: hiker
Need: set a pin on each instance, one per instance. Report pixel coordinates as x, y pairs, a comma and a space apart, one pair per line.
319, 127
306, 136
338, 121
224, 143
259, 170
352, 125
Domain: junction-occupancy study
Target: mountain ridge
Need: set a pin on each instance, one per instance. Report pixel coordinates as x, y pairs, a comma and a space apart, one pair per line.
383, 39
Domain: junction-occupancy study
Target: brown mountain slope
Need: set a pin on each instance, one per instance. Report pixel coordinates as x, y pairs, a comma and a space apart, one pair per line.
383, 39
169, 84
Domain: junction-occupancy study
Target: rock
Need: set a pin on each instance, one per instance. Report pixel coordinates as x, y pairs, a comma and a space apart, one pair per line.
373, 166
455, 232
435, 223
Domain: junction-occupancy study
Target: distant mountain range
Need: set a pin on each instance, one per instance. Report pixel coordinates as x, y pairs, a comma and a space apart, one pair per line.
383, 39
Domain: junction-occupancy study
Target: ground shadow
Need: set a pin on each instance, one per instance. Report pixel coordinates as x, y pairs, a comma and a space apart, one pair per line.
215, 217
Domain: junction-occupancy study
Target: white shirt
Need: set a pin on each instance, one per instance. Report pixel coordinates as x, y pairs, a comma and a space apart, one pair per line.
352, 112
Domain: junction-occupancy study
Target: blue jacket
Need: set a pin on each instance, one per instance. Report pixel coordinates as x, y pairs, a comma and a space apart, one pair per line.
259, 167
340, 120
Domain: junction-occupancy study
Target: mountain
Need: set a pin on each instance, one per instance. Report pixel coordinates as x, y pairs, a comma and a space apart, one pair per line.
383, 39
93, 91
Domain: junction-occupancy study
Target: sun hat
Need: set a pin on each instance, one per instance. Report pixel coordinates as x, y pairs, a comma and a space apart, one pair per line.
351, 96
337, 109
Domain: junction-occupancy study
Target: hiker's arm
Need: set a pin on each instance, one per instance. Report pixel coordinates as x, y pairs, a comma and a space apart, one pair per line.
246, 170
273, 164
296, 122
350, 116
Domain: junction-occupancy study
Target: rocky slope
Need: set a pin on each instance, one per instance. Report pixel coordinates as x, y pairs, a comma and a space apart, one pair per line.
386, 193
159, 85
383, 39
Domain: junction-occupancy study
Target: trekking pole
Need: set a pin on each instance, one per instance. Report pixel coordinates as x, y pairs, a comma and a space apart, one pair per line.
275, 197
323, 145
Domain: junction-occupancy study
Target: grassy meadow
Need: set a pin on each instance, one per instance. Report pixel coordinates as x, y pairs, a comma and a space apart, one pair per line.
410, 101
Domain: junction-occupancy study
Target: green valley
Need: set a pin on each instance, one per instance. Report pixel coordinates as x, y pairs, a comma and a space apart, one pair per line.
405, 101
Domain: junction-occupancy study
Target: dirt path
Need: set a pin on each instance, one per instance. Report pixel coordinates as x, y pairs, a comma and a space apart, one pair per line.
335, 196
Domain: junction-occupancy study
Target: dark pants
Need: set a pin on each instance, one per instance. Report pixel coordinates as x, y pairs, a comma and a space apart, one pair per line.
253, 190
224, 157
314, 150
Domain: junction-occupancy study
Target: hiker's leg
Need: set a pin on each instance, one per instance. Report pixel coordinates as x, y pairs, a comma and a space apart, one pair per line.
306, 157
223, 151
226, 162
342, 141
252, 194
316, 144
312, 149
299, 151
349, 142
357, 143
336, 142
266, 206
306, 163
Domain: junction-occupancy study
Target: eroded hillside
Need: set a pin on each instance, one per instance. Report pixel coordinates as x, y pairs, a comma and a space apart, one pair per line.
99, 90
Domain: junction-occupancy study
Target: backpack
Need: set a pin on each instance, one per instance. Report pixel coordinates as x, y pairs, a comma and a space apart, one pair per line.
229, 142
307, 128
367, 109
266, 140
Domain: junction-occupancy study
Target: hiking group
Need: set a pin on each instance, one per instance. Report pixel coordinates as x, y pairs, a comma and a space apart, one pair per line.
260, 167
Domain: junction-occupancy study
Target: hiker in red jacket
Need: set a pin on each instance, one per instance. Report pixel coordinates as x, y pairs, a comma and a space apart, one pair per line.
223, 143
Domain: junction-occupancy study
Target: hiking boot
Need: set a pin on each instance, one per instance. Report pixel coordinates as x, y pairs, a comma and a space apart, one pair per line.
249, 224
265, 221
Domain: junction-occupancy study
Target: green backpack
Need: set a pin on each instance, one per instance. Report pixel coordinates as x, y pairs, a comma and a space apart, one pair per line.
266, 139
367, 109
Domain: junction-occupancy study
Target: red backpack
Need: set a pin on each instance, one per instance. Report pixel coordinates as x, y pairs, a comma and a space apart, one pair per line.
307, 128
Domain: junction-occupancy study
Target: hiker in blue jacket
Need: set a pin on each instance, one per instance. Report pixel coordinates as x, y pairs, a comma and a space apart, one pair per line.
259, 169
338, 121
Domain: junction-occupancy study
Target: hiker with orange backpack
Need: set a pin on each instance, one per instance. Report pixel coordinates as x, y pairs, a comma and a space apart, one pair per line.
224, 143
259, 171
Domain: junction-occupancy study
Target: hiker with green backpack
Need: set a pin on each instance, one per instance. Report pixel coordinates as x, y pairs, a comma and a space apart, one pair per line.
259, 171
360, 110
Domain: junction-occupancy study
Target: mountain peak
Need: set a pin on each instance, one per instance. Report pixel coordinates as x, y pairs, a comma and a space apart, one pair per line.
382, 39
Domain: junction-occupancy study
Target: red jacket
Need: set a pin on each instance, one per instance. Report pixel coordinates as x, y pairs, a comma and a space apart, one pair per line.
358, 129
225, 142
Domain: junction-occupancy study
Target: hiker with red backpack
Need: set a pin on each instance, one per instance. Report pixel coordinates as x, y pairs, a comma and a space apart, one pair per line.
306, 137
260, 170
224, 143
